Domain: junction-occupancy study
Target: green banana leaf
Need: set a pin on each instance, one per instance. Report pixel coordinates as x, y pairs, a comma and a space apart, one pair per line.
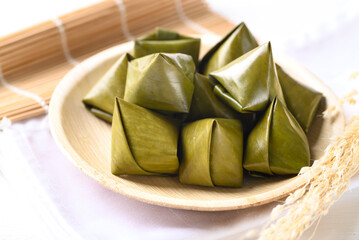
161, 81
250, 81
100, 99
101, 114
143, 142
212, 153
277, 145
166, 41
236, 43
205, 104
302, 101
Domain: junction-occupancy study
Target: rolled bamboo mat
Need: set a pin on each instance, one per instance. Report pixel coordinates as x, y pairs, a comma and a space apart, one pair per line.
34, 60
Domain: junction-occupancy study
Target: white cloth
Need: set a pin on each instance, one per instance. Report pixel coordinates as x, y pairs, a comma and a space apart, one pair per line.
62, 194
61, 202
45, 197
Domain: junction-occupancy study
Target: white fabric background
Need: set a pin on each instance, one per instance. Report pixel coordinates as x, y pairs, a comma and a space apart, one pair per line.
43, 196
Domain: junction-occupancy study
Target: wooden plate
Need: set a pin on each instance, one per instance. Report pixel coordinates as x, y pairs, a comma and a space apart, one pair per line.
86, 141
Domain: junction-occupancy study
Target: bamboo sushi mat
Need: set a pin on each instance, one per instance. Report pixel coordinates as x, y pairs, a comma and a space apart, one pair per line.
34, 60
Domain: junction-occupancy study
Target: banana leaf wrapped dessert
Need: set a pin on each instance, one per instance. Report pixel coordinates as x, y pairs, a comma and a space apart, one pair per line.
236, 43
277, 145
100, 99
212, 153
302, 101
143, 142
163, 40
205, 104
161, 81
249, 82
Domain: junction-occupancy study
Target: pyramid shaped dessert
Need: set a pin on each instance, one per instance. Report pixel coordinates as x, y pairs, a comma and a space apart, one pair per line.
277, 145
161, 81
143, 142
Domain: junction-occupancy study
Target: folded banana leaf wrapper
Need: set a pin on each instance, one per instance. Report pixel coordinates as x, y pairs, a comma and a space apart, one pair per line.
301, 100
250, 81
212, 153
143, 142
161, 81
167, 41
240, 83
205, 104
277, 145
100, 99
236, 43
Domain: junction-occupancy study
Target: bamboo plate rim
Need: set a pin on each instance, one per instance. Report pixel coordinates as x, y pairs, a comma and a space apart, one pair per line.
140, 191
